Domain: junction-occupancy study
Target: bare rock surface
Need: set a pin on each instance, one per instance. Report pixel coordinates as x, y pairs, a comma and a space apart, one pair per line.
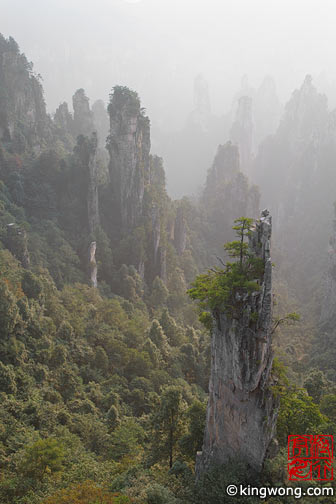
242, 410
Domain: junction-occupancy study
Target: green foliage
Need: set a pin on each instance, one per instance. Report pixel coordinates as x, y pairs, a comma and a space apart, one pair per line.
86, 493
158, 494
109, 384
121, 97
101, 360
315, 384
31, 285
159, 294
83, 363
298, 414
9, 312
112, 417
328, 406
7, 379
288, 319
126, 439
167, 424
158, 337
44, 457
171, 329
224, 289
206, 319
279, 375
192, 442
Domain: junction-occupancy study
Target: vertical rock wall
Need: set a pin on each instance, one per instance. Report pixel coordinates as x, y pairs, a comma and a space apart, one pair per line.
83, 117
180, 231
23, 116
241, 413
242, 132
93, 264
86, 149
93, 201
129, 147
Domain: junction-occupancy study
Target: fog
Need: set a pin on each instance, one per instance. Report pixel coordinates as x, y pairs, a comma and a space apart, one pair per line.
159, 47
167, 249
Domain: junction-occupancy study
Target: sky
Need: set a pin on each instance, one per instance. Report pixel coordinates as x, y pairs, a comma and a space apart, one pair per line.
158, 46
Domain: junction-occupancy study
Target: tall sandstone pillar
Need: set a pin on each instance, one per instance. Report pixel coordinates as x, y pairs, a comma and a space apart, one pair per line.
242, 410
129, 148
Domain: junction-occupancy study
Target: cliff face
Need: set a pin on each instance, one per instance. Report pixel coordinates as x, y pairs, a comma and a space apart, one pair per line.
227, 194
242, 132
63, 120
83, 117
224, 168
101, 122
129, 146
180, 232
225, 176
158, 258
242, 410
293, 168
87, 151
23, 117
138, 199
93, 270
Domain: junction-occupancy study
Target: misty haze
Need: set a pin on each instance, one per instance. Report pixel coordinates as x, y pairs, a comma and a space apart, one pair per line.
167, 251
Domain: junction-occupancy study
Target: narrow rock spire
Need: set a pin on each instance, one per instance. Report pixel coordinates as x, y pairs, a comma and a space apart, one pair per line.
242, 409
93, 264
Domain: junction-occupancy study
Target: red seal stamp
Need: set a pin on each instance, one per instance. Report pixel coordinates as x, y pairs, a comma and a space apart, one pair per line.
310, 457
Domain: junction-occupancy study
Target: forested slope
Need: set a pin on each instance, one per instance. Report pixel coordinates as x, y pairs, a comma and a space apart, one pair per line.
105, 387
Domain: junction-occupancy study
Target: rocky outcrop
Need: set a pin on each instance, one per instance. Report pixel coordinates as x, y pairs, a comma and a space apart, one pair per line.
162, 263
101, 122
93, 202
63, 125
23, 116
180, 232
242, 132
156, 232
225, 166
242, 411
227, 194
87, 151
93, 264
129, 147
157, 263
294, 168
17, 243
63, 119
83, 117
138, 201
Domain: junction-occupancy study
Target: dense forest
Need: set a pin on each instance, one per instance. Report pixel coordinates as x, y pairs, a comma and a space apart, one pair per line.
105, 355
